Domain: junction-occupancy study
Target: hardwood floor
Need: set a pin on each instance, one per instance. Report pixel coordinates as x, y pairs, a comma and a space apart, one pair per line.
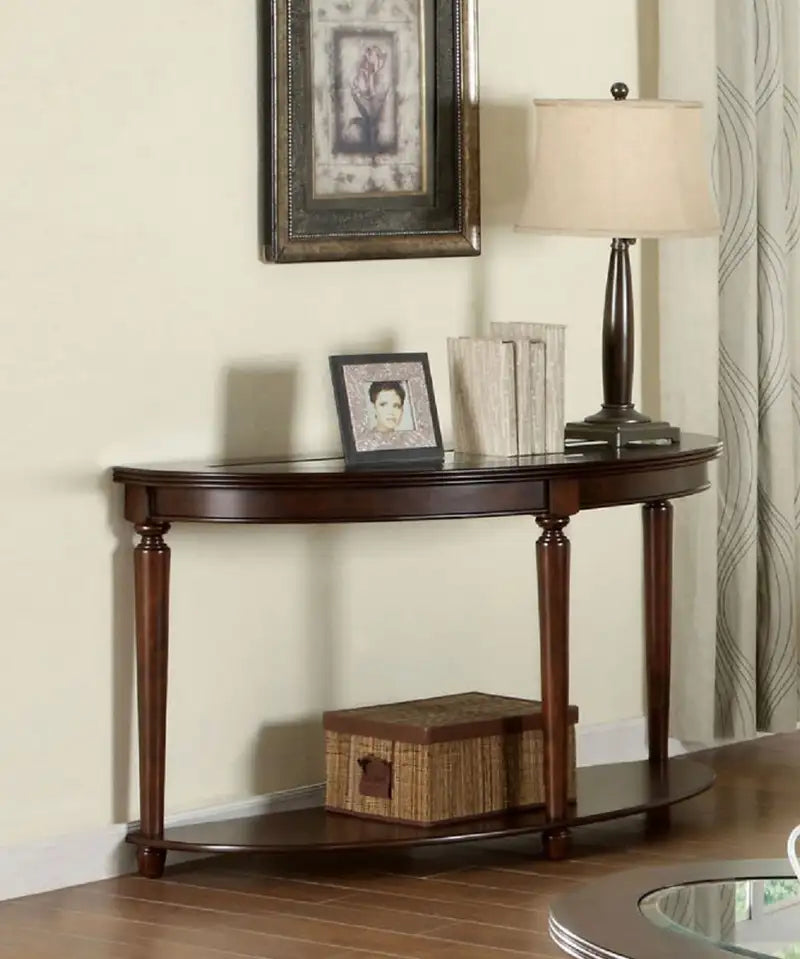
486, 901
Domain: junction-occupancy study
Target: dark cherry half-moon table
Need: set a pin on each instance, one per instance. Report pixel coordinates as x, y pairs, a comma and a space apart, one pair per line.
550, 488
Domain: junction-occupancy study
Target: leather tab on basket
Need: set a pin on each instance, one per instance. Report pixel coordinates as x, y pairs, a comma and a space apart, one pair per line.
376, 777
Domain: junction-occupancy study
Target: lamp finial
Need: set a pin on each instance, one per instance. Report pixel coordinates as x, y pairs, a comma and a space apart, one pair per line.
619, 91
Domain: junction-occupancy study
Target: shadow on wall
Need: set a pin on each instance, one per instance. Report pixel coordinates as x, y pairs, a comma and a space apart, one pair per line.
506, 136
506, 139
292, 754
122, 654
288, 755
258, 408
257, 420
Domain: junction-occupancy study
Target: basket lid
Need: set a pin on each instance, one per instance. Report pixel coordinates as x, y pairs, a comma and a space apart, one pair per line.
442, 718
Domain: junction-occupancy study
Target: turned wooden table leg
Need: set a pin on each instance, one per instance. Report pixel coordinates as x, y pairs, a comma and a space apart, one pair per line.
151, 577
552, 558
657, 520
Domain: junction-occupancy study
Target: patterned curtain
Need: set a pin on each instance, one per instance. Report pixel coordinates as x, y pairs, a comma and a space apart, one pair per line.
741, 58
759, 269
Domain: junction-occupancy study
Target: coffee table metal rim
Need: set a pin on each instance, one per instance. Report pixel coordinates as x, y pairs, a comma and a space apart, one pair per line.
603, 920
574, 947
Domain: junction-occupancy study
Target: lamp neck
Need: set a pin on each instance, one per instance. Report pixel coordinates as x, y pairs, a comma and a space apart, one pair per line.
617, 410
618, 330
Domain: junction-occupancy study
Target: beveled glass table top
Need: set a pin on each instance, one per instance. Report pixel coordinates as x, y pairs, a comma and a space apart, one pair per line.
747, 917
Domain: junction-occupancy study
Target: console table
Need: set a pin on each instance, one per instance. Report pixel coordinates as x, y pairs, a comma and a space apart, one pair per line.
551, 488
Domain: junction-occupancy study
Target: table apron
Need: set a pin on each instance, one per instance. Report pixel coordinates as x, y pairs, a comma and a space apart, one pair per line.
321, 504
610, 490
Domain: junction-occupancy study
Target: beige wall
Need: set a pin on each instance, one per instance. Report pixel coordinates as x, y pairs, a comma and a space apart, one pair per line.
138, 324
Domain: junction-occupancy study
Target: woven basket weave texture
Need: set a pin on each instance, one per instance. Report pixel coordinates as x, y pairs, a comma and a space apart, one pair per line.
446, 772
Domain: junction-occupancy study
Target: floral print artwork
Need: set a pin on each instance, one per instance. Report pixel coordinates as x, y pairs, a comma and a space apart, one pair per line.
368, 87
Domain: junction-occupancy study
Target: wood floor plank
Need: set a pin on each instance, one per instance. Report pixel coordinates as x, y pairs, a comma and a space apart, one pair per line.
578, 870
34, 944
270, 926
304, 891
508, 917
515, 940
458, 950
296, 890
183, 894
505, 881
162, 933
443, 889
29, 943
113, 926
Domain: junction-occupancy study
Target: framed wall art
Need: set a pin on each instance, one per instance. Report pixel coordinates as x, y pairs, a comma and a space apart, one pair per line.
386, 409
371, 139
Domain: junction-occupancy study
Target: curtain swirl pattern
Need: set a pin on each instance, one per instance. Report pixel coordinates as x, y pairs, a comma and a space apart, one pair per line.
756, 162
730, 363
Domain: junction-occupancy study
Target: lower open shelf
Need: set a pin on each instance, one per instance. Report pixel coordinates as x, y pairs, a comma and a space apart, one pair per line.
604, 792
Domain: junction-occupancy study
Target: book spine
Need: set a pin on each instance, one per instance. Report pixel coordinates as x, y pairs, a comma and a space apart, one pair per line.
483, 396
457, 395
553, 337
524, 393
537, 367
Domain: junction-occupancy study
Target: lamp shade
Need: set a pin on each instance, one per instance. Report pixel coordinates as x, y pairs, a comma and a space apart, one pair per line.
620, 168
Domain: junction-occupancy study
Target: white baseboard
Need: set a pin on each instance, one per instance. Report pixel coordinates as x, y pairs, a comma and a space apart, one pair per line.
621, 742
35, 867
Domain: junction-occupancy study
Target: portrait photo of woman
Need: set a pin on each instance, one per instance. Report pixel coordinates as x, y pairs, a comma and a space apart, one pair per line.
386, 408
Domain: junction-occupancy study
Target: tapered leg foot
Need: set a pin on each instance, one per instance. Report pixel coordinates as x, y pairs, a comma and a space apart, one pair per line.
151, 577
557, 844
552, 560
657, 821
151, 862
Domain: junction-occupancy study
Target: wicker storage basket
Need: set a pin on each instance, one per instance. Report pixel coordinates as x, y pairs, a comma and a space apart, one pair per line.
438, 760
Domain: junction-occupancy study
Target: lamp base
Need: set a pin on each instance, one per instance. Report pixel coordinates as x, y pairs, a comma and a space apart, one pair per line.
618, 434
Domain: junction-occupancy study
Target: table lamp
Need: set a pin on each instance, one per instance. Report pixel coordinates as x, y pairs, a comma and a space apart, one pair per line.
624, 169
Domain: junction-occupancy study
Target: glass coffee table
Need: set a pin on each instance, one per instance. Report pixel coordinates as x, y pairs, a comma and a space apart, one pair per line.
703, 909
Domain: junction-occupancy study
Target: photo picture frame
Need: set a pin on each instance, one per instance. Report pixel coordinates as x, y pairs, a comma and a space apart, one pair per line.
370, 144
386, 409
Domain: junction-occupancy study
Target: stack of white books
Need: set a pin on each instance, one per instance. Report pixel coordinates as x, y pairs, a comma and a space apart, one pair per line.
507, 390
